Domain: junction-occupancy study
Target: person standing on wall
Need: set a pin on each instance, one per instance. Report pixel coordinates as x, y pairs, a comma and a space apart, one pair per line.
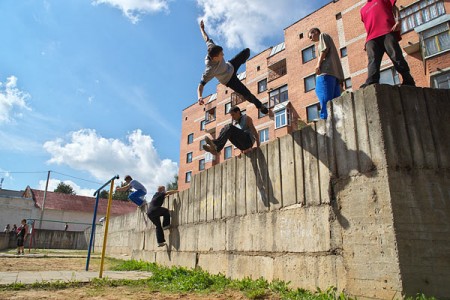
156, 211
225, 72
22, 233
381, 19
330, 74
137, 197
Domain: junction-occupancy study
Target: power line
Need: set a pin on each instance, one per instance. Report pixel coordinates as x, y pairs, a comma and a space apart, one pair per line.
76, 177
43, 172
22, 172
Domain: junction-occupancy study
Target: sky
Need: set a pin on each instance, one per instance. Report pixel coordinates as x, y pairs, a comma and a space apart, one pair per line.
94, 88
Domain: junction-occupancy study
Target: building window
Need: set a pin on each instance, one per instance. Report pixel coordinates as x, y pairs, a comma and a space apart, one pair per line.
300, 35
441, 81
312, 112
338, 16
190, 138
436, 40
278, 96
260, 114
264, 135
282, 118
420, 12
228, 152
310, 83
188, 177
202, 142
189, 157
201, 164
262, 85
348, 83
227, 107
258, 68
202, 125
236, 99
210, 115
309, 54
389, 76
344, 52
277, 70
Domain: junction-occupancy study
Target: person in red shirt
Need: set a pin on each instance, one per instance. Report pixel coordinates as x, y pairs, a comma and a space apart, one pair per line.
382, 23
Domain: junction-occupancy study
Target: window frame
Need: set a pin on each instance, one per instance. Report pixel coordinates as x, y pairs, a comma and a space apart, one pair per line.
267, 135
259, 90
306, 78
282, 92
230, 148
287, 118
188, 161
201, 143
189, 140
343, 49
436, 40
188, 174
260, 114
200, 164
314, 56
225, 107
435, 76
308, 119
395, 76
414, 12
345, 83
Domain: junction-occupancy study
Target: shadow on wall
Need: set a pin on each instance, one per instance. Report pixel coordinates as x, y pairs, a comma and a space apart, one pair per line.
174, 234
263, 181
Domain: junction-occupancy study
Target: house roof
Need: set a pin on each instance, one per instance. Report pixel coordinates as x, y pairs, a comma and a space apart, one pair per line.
11, 193
59, 201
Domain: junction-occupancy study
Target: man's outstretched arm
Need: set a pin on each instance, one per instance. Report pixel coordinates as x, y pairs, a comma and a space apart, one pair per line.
396, 13
202, 29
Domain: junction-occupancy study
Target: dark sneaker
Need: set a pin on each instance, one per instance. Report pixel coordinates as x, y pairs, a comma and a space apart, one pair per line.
409, 82
210, 148
161, 244
264, 110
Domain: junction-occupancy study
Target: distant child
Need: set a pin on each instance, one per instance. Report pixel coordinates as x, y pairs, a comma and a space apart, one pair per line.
155, 211
137, 197
22, 233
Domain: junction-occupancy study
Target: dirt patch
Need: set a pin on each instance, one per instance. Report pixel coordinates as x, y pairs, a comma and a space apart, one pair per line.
113, 293
9, 264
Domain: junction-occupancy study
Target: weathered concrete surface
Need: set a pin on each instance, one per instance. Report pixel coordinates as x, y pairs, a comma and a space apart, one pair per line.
361, 202
48, 239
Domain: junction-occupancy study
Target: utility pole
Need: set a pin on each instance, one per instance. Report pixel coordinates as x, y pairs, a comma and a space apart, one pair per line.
43, 201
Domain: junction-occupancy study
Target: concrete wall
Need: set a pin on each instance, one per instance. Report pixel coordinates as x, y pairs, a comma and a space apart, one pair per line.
360, 201
49, 239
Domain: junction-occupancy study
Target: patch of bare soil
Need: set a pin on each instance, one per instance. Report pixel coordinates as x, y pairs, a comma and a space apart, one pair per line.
8, 264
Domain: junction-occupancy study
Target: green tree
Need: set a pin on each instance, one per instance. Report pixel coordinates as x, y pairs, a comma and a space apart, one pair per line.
104, 194
123, 196
64, 189
173, 185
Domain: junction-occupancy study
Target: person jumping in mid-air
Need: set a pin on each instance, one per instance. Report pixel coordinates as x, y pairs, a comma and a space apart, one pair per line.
156, 211
137, 197
241, 133
225, 72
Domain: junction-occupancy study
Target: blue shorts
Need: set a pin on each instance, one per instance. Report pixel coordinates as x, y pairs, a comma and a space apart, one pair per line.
137, 197
327, 88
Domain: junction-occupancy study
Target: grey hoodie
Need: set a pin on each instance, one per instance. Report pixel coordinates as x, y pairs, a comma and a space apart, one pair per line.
221, 70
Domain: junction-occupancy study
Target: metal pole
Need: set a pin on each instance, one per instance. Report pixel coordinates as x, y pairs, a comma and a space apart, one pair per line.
97, 193
105, 236
92, 232
43, 202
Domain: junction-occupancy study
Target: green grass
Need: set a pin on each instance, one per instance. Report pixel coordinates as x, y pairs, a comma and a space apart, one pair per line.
183, 280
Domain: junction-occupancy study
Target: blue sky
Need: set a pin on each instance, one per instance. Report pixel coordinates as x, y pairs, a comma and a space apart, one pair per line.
91, 88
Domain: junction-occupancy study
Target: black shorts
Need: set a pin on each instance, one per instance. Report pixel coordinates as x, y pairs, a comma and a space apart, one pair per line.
20, 241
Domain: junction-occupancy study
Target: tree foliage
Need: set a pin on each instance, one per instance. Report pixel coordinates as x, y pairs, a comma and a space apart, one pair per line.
173, 185
64, 189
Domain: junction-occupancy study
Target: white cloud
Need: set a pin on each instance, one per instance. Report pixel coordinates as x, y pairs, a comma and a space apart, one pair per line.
103, 158
53, 184
246, 23
133, 9
12, 100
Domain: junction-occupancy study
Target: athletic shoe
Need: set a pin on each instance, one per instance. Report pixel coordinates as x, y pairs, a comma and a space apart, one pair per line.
210, 149
209, 141
166, 227
264, 109
161, 244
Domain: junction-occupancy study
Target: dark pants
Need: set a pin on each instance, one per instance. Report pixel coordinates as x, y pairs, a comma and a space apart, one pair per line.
375, 50
20, 241
237, 137
235, 84
154, 214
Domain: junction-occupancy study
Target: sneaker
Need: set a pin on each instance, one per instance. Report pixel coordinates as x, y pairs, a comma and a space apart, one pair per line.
208, 140
166, 227
409, 82
210, 149
264, 110
161, 244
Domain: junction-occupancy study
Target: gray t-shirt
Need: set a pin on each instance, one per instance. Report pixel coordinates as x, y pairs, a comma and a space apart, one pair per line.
331, 65
137, 185
221, 70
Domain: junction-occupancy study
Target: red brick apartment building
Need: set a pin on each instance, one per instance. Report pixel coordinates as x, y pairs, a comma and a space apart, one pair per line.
283, 75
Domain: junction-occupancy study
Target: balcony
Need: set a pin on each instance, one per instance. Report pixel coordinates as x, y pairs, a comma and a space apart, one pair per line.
276, 70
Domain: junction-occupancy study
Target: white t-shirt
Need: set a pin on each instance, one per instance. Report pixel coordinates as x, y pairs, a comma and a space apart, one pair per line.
137, 185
